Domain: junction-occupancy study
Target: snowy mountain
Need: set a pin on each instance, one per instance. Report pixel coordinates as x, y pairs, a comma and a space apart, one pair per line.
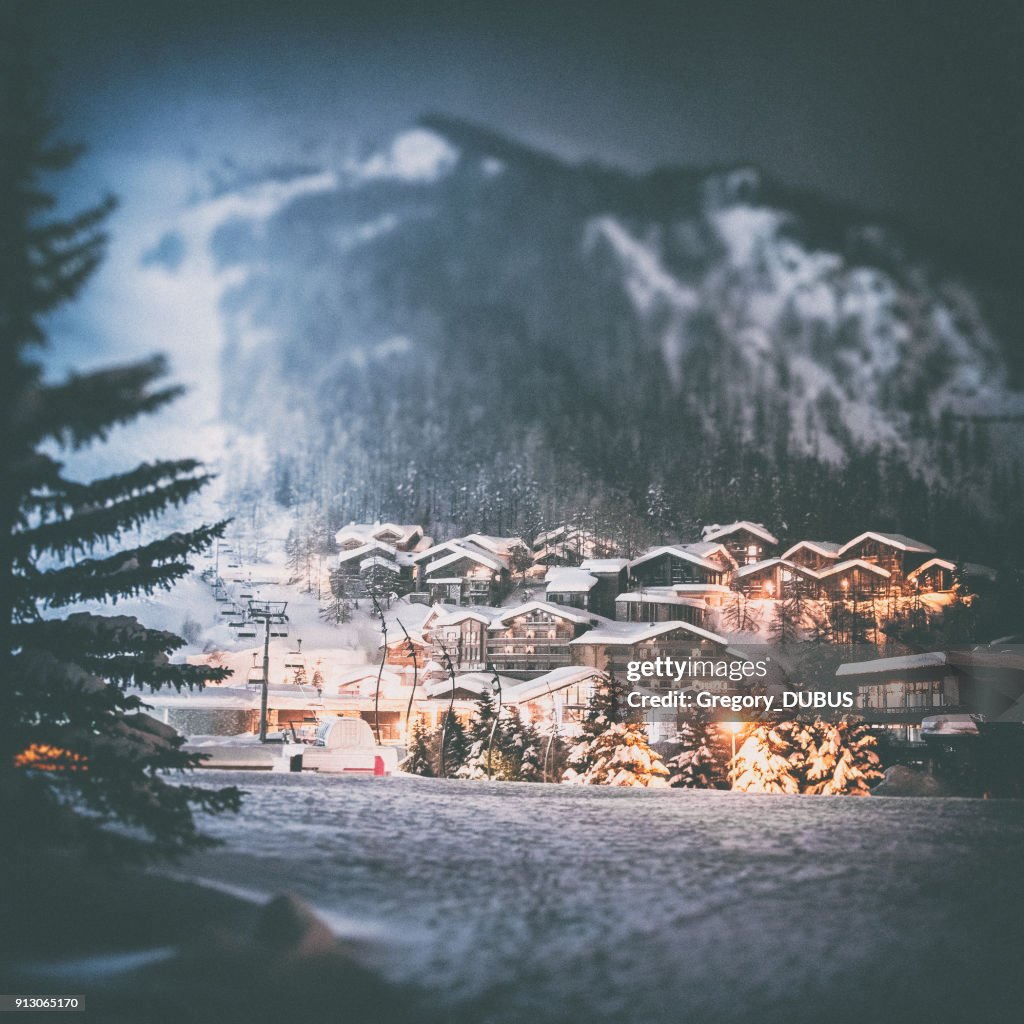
463, 329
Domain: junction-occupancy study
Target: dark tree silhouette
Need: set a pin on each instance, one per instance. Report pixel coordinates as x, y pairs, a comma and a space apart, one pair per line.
77, 753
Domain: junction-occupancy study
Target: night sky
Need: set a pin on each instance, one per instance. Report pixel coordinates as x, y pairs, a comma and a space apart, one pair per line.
909, 108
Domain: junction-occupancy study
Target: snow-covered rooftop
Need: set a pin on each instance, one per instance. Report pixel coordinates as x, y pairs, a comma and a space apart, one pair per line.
678, 552
560, 611
715, 531
474, 555
660, 595
931, 659
892, 540
825, 548
603, 565
563, 579
551, 682
850, 563
969, 568
637, 632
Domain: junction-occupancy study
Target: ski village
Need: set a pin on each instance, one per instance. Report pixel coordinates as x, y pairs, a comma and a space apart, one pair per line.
485, 657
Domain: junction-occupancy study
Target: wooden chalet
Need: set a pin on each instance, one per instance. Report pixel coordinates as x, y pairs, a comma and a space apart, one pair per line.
897, 694
559, 697
854, 580
747, 542
813, 554
673, 564
611, 575
612, 646
399, 538
375, 566
775, 579
939, 576
571, 587
535, 636
660, 604
468, 575
461, 632
897, 554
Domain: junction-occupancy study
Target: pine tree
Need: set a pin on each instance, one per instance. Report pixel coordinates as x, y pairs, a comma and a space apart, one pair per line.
77, 753
486, 757
337, 609
614, 749
420, 759
767, 761
841, 758
456, 745
523, 749
695, 765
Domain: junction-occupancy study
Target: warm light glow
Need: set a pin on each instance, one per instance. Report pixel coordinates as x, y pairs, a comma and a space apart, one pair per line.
733, 727
41, 757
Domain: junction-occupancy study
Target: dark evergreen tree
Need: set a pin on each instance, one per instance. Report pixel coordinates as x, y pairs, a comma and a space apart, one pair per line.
522, 748
456, 745
421, 757
696, 763
78, 755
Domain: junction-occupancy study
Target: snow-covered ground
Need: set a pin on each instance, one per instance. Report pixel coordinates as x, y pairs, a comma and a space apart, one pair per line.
516, 902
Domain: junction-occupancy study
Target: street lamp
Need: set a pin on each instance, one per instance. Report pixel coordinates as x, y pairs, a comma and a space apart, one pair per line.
732, 728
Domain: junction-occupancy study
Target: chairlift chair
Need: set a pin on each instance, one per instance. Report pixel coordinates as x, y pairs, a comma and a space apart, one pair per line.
295, 659
246, 635
254, 677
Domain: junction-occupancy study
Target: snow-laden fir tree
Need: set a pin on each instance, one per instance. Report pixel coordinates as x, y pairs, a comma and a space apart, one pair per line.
768, 760
452, 745
77, 753
421, 757
841, 758
696, 764
487, 757
523, 749
613, 749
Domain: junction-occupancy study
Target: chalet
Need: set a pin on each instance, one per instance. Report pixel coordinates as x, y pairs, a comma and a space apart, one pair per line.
571, 587
939, 576
612, 646
469, 687
668, 566
376, 567
404, 652
660, 604
774, 578
897, 554
461, 633
611, 575
400, 538
747, 542
535, 636
896, 694
853, 579
559, 697
713, 551
509, 549
813, 554
467, 576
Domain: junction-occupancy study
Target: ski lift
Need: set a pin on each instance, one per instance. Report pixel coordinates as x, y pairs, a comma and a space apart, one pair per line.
274, 632
239, 625
233, 610
246, 634
295, 659
254, 677
245, 597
